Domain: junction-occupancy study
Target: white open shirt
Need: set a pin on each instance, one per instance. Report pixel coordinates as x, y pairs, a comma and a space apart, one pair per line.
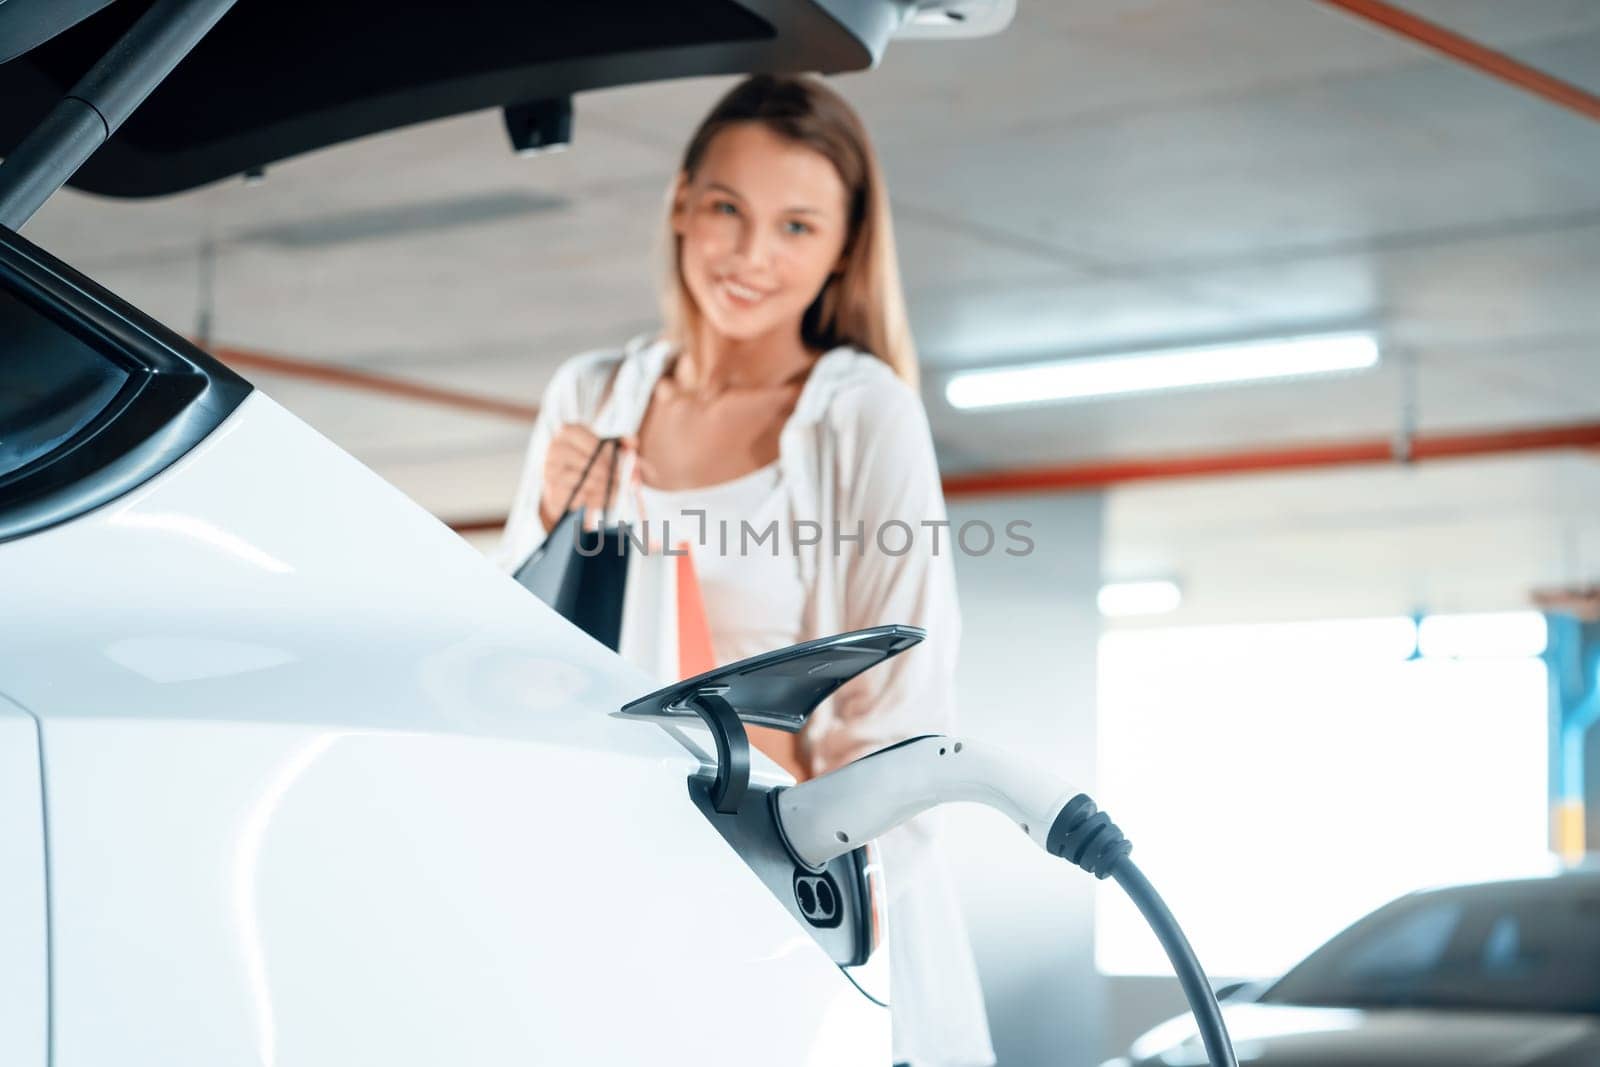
855, 453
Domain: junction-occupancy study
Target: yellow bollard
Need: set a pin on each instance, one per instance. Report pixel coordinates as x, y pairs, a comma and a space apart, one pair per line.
1567, 830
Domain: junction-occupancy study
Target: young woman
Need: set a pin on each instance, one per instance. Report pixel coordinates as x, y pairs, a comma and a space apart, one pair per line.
782, 397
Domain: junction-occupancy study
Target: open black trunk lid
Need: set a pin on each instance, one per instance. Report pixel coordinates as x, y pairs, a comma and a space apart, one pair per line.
276, 79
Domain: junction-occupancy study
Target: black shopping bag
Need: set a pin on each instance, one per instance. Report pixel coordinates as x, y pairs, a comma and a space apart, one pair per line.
597, 605
582, 573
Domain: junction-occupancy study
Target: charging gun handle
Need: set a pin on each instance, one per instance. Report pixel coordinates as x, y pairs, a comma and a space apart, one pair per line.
832, 814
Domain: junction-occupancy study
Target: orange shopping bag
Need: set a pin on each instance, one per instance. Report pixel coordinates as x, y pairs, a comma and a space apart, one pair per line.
664, 627
664, 630
695, 655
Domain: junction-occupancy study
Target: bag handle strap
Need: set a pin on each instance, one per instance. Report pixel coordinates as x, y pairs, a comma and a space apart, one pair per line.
611, 475
630, 351
615, 443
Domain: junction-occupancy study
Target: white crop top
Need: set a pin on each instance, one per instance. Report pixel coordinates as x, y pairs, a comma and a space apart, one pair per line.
740, 536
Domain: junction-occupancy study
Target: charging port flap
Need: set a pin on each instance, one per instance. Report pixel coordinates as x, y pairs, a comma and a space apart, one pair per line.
783, 687
779, 689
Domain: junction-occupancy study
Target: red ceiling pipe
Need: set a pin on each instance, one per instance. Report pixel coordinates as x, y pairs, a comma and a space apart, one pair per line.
1470, 52
1116, 472
1532, 439
366, 381
1424, 447
1106, 474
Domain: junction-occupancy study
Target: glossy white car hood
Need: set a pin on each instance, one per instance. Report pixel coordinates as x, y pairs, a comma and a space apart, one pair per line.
324, 787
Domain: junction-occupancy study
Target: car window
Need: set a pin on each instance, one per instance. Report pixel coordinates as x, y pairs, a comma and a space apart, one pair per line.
96, 398
1509, 947
1411, 946
52, 385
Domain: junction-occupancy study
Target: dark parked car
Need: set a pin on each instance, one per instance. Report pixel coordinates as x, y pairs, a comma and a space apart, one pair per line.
1497, 974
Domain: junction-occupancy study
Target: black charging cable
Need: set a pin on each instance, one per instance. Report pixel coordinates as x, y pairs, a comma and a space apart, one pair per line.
1085, 835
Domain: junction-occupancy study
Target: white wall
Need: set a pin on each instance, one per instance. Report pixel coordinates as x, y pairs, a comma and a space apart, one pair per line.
1027, 680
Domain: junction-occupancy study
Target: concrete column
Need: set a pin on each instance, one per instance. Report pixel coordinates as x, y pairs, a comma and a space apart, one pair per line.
1027, 680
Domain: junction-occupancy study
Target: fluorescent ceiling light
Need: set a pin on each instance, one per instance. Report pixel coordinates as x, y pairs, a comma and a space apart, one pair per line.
1317, 643
1120, 599
1505, 633
1174, 368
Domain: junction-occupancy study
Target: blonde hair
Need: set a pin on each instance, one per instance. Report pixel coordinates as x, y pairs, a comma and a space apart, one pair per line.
862, 305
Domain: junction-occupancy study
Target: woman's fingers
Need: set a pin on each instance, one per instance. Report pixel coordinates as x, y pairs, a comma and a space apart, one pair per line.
572, 446
578, 434
577, 443
570, 451
593, 491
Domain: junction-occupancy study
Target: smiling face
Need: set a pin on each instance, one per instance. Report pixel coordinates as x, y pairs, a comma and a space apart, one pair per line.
761, 224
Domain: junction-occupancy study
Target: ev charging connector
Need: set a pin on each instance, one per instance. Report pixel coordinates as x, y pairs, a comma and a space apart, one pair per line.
821, 819
827, 816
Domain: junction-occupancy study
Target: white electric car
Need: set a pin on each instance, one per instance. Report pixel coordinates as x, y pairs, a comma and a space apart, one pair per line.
289, 773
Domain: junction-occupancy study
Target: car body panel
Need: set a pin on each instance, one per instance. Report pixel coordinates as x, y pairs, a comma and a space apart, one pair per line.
1397, 988
326, 787
1279, 1035
24, 951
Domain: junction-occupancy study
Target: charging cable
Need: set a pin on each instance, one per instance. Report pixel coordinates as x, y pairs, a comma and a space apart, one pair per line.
828, 816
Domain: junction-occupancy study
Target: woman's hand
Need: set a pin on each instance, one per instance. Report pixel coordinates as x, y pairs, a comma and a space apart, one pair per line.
569, 450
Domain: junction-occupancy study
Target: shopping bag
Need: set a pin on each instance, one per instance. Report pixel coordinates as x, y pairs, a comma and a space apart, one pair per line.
695, 654
597, 605
649, 630
665, 631
552, 573
582, 573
